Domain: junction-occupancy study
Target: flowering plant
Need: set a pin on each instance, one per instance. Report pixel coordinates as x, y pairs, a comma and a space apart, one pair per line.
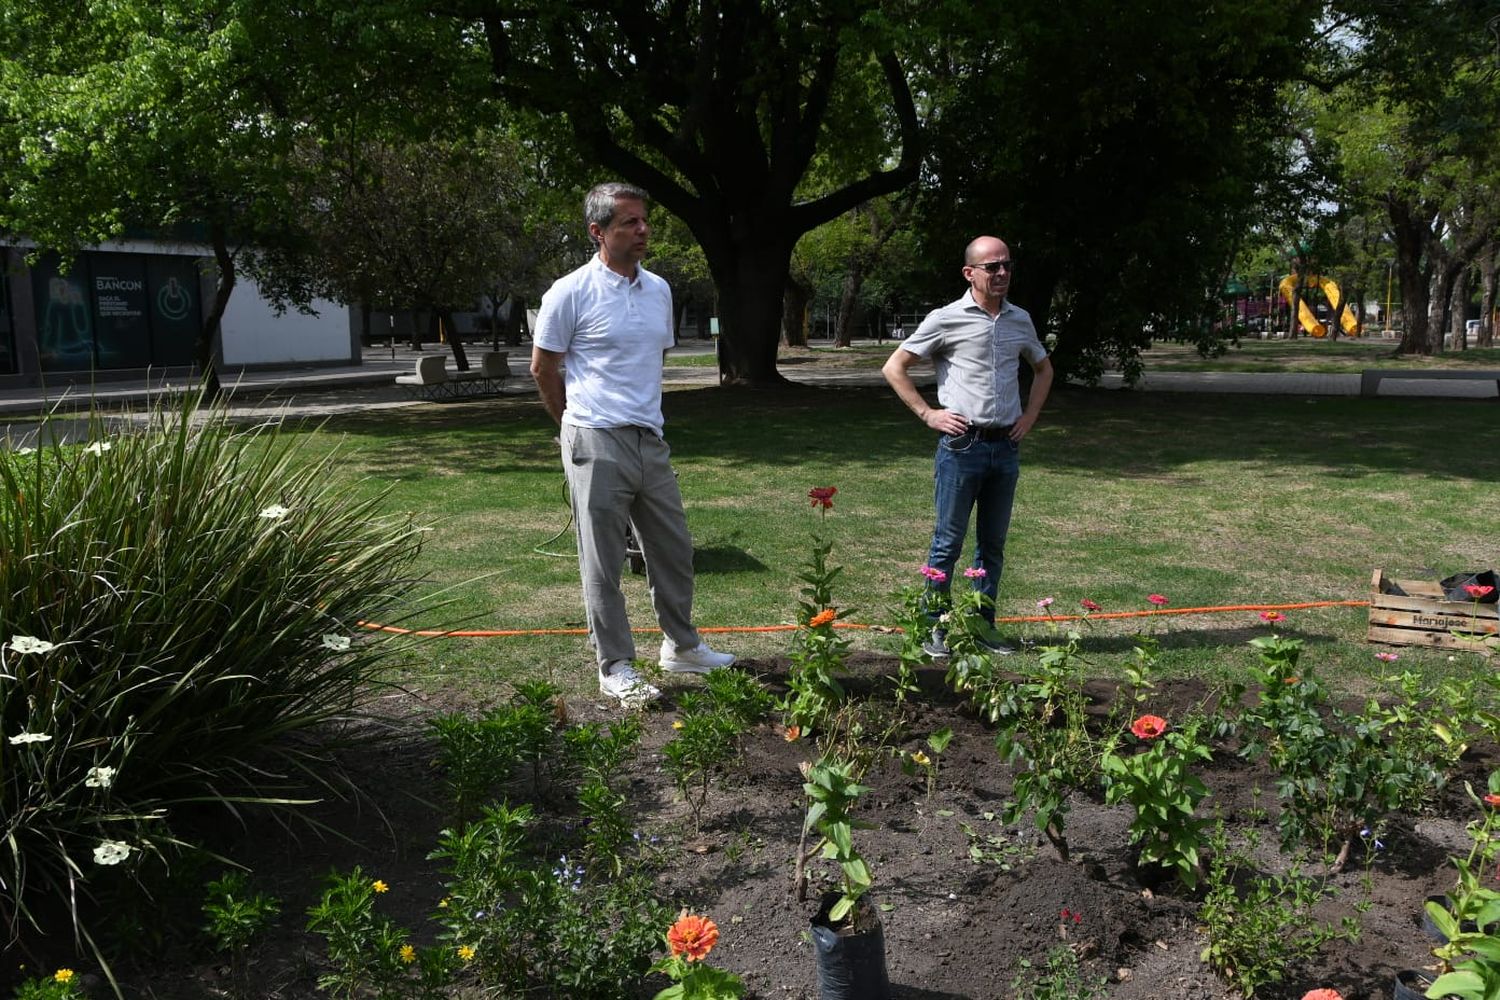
689, 941
1163, 791
1471, 958
818, 651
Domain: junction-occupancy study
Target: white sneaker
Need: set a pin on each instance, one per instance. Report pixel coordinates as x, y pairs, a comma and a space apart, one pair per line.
698, 660
619, 680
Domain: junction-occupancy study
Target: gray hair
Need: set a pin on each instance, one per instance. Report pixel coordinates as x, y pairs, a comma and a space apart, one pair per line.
599, 205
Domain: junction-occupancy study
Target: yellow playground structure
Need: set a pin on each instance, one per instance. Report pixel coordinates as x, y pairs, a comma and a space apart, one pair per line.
1347, 320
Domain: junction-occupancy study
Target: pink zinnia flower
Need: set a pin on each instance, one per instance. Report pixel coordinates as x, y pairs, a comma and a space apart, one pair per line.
1388, 657
1044, 603
976, 573
1089, 605
933, 574
1157, 600
1272, 616
1149, 727
1477, 590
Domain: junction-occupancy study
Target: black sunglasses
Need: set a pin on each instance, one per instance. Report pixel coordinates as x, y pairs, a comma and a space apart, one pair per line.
994, 266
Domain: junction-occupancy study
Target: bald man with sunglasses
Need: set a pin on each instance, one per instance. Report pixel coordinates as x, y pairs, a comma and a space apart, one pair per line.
976, 344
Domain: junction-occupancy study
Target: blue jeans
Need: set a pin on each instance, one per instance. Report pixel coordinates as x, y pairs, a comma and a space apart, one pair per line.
969, 474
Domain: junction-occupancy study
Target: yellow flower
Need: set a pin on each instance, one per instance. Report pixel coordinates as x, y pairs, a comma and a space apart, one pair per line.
921, 758
466, 953
443, 903
63, 975
408, 954
676, 723
380, 886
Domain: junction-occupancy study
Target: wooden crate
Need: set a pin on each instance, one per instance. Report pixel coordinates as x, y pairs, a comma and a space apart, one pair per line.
1422, 617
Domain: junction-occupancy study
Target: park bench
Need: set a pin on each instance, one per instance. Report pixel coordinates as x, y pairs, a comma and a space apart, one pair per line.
432, 380
1370, 378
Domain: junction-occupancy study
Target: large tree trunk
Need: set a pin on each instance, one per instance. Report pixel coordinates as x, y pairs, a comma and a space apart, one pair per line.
751, 285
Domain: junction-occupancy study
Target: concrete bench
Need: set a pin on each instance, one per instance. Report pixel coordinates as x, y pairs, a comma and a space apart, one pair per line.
1370, 378
432, 380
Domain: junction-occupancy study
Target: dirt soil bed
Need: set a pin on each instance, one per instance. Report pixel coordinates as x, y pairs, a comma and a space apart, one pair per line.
964, 897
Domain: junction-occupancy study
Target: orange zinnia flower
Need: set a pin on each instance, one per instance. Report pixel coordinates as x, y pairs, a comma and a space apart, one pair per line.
822, 618
1149, 727
1492, 799
693, 937
1324, 994
793, 734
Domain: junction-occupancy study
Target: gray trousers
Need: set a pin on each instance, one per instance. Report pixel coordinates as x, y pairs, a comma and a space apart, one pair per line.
619, 476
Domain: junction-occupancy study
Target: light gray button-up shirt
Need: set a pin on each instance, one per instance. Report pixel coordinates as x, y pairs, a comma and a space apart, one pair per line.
976, 357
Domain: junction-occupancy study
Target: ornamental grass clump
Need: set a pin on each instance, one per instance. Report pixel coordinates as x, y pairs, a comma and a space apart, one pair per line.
179, 609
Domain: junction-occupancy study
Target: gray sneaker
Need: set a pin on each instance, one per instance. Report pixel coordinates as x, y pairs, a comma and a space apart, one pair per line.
699, 660
936, 647
619, 680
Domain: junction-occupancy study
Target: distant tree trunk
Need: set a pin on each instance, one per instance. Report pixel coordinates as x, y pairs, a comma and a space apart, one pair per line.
443, 319
364, 322
416, 330
212, 330
750, 307
854, 279
794, 313
1459, 310
1410, 230
1489, 270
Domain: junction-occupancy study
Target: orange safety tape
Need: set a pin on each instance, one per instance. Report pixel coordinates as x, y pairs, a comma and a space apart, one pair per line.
722, 629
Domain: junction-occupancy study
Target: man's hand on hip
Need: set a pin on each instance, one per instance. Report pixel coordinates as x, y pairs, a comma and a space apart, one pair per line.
945, 421
1021, 427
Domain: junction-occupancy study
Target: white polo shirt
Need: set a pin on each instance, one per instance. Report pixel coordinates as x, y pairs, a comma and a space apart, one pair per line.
612, 332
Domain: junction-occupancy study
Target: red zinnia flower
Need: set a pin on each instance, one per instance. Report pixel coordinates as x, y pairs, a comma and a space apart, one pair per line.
1157, 600
693, 937
822, 618
1149, 727
1324, 994
1272, 616
822, 496
1477, 590
1089, 605
1492, 800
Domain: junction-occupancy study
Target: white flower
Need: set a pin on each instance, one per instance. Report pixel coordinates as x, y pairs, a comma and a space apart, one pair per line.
31, 644
111, 852
98, 447
275, 512
25, 451
337, 643
21, 738
100, 777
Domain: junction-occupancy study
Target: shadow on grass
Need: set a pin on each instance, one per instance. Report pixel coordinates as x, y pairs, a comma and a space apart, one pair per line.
725, 559
1103, 432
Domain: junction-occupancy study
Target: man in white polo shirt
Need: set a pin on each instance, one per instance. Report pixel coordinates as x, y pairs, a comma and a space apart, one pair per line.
976, 344
598, 344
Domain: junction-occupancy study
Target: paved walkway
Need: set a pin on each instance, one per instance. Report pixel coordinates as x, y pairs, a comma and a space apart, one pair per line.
313, 391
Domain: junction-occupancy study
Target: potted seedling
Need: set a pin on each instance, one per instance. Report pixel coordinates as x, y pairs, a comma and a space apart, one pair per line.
848, 938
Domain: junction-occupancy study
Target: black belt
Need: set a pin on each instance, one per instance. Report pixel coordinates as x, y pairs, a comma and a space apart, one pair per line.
995, 432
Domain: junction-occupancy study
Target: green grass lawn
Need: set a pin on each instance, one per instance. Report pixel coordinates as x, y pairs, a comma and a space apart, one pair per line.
1309, 354
1208, 500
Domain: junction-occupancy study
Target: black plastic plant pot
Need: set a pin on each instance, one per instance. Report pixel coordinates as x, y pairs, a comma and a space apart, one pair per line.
851, 955
1411, 984
1431, 929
